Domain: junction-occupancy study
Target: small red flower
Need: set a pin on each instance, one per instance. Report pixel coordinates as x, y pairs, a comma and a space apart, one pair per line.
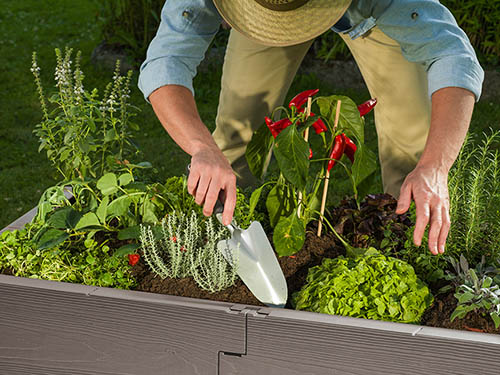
183, 249
133, 259
173, 239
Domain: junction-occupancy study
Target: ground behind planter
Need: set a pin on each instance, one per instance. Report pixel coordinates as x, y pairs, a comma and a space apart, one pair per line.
61, 328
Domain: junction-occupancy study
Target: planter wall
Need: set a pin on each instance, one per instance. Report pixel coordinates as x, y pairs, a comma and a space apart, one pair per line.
55, 328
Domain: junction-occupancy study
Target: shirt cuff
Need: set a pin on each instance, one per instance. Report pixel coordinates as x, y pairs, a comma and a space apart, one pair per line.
456, 71
164, 71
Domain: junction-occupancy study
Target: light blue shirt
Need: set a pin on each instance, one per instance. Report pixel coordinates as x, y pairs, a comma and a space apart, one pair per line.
426, 31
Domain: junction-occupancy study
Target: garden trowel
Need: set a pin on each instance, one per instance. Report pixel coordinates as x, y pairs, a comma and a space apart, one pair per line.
256, 264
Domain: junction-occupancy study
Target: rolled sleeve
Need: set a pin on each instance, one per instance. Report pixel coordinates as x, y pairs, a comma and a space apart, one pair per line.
428, 34
185, 32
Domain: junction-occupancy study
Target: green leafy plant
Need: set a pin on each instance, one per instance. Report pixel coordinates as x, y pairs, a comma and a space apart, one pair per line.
84, 135
293, 199
475, 289
474, 185
370, 286
84, 260
180, 248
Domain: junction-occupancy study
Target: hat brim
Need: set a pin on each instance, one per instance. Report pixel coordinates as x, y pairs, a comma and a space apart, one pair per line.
281, 28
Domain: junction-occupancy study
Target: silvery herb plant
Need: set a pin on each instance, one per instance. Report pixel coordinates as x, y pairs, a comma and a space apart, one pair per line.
475, 289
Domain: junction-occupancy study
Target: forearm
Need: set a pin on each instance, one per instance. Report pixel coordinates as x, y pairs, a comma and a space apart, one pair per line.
175, 107
451, 113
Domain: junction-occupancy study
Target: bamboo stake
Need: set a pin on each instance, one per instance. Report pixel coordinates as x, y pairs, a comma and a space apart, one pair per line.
306, 138
327, 176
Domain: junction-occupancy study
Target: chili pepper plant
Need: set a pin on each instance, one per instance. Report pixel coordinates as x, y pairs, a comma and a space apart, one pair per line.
293, 200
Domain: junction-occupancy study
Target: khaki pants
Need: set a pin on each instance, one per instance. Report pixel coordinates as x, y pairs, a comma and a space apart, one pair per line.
256, 79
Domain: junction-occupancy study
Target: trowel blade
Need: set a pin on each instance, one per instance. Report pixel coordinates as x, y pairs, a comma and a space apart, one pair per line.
256, 264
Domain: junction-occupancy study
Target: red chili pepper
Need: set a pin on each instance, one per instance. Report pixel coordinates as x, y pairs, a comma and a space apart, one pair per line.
278, 126
133, 259
319, 126
350, 148
299, 99
367, 106
337, 151
310, 153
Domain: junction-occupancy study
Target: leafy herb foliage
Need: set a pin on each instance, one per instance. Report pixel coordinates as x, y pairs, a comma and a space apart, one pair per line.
370, 286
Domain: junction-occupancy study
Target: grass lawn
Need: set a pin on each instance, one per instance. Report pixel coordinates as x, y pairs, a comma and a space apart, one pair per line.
26, 26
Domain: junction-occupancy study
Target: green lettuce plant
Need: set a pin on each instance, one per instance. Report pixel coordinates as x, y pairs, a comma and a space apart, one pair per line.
370, 286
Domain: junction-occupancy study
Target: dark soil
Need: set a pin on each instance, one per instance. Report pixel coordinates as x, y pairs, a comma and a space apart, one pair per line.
440, 311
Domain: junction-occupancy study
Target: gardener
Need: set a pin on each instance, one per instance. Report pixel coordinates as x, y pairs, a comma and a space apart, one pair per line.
414, 59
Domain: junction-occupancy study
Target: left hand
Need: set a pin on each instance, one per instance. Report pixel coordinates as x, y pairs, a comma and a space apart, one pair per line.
428, 187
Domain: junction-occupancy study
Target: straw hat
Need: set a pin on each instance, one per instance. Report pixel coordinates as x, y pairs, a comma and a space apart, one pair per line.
281, 22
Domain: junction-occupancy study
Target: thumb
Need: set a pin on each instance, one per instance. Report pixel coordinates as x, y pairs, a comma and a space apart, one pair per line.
404, 199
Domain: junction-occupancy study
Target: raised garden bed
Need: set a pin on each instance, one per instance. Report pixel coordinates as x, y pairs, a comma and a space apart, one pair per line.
61, 328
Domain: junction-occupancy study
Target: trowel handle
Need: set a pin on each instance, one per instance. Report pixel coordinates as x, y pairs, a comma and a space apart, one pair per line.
219, 206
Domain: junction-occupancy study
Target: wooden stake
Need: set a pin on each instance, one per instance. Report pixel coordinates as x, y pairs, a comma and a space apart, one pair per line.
327, 176
306, 138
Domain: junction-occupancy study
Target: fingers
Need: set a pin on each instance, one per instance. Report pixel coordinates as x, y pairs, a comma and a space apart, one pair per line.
207, 183
404, 200
192, 181
229, 203
436, 214
435, 228
423, 215
445, 229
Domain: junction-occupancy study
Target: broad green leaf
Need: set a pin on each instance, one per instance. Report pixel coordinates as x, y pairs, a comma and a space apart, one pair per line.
129, 233
289, 235
279, 204
459, 313
148, 212
350, 121
110, 135
125, 179
51, 238
365, 163
90, 219
119, 206
126, 249
108, 184
258, 150
254, 200
103, 209
496, 318
63, 218
465, 297
292, 154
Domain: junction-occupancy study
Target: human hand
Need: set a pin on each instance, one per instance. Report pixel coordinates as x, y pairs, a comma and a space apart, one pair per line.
211, 177
428, 187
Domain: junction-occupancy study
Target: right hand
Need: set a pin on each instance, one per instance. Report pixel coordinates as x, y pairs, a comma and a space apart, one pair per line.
211, 177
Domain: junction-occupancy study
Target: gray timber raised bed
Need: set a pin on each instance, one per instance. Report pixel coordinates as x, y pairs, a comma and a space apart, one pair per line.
51, 328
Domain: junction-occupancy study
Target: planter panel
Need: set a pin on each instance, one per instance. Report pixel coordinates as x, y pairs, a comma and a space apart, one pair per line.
51, 328
349, 346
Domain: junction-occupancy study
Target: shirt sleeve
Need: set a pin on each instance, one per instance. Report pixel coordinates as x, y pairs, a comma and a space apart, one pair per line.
428, 33
185, 32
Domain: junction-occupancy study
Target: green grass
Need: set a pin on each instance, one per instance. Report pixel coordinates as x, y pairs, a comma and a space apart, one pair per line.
26, 26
